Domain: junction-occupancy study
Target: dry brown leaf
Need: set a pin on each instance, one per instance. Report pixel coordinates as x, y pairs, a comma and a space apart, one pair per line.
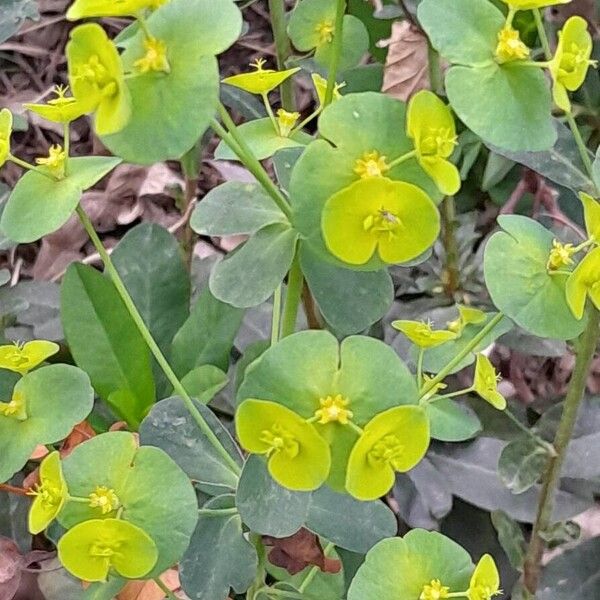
406, 69
148, 590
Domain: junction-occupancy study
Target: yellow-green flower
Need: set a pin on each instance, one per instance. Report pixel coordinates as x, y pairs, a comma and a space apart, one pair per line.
486, 382
320, 84
155, 58
21, 358
422, 334
91, 549
434, 590
510, 46
467, 315
560, 255
393, 441
54, 163
286, 121
485, 581
591, 213
431, 126
571, 61
394, 219
105, 499
81, 9
6, 121
584, 281
97, 78
298, 457
260, 81
62, 109
50, 494
529, 4
16, 408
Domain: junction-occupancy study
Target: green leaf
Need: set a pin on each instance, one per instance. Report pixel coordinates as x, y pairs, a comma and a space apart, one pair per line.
160, 127
170, 426
263, 140
518, 282
204, 382
508, 106
400, 567
105, 342
250, 275
451, 422
207, 335
522, 462
348, 523
39, 205
511, 538
14, 13
464, 32
219, 548
57, 397
242, 102
150, 262
156, 495
266, 507
350, 301
235, 208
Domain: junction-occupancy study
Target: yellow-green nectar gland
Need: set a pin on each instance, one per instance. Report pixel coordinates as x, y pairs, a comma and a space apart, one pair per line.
434, 590
61, 100
95, 73
325, 31
560, 255
55, 161
105, 548
438, 142
50, 496
572, 60
372, 164
286, 121
383, 222
483, 592
333, 409
15, 356
16, 408
280, 440
510, 47
155, 58
105, 499
388, 450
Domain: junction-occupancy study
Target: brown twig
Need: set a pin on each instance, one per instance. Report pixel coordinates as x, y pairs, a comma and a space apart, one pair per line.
11, 489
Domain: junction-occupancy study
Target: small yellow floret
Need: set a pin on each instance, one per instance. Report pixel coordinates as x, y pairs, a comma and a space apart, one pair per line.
560, 255
372, 164
333, 409
55, 161
325, 31
434, 590
155, 58
510, 47
280, 440
16, 408
286, 121
105, 499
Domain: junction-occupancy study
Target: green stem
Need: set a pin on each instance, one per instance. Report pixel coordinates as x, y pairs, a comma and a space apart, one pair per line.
510, 16
141, 19
276, 320
539, 23
583, 151
313, 572
451, 272
336, 51
401, 159
165, 590
585, 350
292, 298
152, 345
451, 395
246, 155
436, 77
459, 357
30, 167
420, 367
283, 50
217, 512
267, 104
537, 439
67, 144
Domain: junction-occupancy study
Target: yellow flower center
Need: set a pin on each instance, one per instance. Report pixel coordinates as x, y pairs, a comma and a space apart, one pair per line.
438, 142
155, 58
15, 357
280, 440
573, 59
434, 590
14, 409
286, 121
383, 222
55, 161
560, 255
50, 496
61, 99
333, 409
95, 73
325, 31
105, 548
483, 592
510, 47
388, 450
105, 499
372, 164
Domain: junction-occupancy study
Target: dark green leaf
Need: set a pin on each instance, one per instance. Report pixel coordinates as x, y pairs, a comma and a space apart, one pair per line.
522, 462
511, 537
14, 13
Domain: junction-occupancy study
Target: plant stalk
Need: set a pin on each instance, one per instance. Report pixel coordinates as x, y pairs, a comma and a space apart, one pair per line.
585, 349
336, 51
151, 343
539, 23
583, 151
292, 298
283, 49
451, 271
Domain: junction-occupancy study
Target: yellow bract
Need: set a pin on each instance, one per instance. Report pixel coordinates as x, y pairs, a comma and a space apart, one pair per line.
21, 358
299, 458
560, 255
261, 81
50, 494
155, 58
571, 61
485, 581
110, 8
16, 408
467, 315
105, 499
434, 591
97, 79
584, 281
372, 164
394, 219
591, 213
422, 334
510, 46
486, 382
529, 4
333, 409
286, 121
6, 121
55, 161
320, 84
431, 126
61, 109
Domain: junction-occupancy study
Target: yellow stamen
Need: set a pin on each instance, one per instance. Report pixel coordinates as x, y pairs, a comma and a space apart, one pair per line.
155, 58
286, 121
560, 255
371, 164
325, 31
55, 161
105, 499
280, 440
434, 590
333, 409
510, 47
